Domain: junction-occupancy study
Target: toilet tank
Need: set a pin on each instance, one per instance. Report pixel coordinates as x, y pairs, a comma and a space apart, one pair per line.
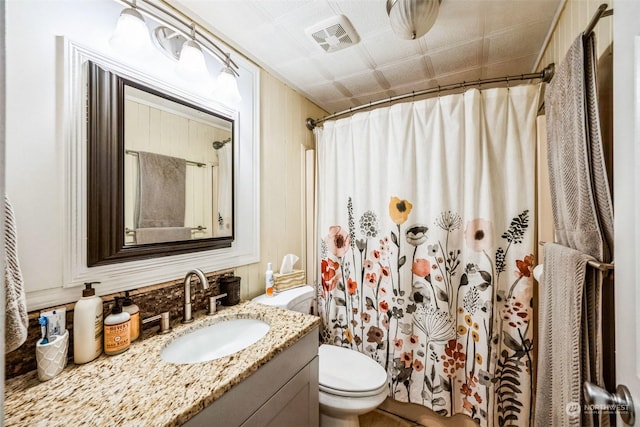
297, 299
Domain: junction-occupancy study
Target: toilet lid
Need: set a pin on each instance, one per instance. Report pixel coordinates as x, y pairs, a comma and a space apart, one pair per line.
287, 298
347, 372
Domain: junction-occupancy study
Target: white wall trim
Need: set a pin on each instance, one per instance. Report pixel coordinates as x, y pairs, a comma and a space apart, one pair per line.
130, 275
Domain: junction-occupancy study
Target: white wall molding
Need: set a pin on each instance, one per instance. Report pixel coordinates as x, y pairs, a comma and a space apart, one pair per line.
130, 275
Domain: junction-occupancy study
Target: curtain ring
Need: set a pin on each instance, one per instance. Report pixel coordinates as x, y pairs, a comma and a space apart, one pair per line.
413, 96
508, 83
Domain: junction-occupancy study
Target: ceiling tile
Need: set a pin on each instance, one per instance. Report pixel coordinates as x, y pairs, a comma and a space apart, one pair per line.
385, 48
405, 72
343, 62
505, 14
301, 72
279, 9
368, 17
524, 39
512, 67
458, 22
460, 58
362, 83
471, 39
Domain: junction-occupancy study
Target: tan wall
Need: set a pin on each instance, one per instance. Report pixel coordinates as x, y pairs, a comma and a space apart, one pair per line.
575, 17
284, 139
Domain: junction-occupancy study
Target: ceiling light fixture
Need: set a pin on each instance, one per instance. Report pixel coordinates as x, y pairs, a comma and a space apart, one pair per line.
411, 19
131, 34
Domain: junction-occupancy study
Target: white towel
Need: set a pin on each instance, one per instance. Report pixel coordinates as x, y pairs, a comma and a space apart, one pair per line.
16, 320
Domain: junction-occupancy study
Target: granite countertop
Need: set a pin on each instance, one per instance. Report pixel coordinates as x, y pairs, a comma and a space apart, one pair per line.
138, 388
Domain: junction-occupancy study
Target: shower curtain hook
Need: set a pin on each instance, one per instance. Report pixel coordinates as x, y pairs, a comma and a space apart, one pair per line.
508, 87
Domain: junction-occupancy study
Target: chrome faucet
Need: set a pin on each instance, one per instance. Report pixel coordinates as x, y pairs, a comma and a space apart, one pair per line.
186, 317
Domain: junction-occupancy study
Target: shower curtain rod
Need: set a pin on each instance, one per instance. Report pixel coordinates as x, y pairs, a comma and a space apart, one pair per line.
545, 75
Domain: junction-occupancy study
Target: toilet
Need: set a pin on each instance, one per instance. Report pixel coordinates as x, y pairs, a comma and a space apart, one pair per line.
351, 383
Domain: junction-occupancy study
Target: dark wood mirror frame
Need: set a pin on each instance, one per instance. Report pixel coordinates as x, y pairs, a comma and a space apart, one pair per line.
105, 176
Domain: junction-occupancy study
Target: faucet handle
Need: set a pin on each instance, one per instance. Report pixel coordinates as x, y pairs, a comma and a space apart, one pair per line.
213, 303
165, 326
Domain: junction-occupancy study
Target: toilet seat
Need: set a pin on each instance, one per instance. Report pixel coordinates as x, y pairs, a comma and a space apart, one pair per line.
348, 373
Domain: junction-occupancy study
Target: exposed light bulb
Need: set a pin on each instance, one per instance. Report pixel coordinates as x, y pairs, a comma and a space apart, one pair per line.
192, 65
227, 88
131, 35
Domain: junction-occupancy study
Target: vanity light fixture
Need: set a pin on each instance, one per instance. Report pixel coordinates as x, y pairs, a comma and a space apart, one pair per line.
411, 19
131, 34
186, 46
227, 86
192, 65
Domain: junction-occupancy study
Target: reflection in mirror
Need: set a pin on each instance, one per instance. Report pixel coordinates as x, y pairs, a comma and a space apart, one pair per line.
159, 173
178, 178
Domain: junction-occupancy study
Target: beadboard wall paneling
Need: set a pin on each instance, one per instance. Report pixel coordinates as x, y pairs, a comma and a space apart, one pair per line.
575, 17
283, 140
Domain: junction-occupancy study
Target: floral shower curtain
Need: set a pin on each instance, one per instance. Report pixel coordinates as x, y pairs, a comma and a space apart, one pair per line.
425, 215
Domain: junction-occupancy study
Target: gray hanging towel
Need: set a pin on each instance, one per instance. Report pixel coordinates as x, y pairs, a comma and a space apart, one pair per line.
16, 320
570, 338
580, 195
162, 234
161, 191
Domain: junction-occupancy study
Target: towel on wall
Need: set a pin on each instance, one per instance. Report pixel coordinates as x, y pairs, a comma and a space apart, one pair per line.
162, 234
16, 320
569, 337
161, 191
580, 194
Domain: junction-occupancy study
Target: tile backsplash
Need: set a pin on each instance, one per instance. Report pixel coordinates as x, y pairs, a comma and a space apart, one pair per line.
151, 300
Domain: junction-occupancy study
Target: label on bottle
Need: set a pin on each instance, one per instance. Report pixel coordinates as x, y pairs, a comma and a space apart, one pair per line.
98, 330
117, 338
134, 325
269, 285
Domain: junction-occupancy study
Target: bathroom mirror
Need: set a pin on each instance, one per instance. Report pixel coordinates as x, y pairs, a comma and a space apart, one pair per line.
159, 173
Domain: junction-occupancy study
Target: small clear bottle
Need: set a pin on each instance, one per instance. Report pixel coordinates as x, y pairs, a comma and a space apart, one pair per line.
117, 333
268, 288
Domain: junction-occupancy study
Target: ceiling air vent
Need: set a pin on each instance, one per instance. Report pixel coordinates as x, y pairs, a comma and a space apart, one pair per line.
333, 34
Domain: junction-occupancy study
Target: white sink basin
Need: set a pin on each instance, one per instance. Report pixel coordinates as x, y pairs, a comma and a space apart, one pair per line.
214, 341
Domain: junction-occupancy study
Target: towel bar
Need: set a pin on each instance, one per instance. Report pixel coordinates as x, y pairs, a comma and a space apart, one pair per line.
133, 231
602, 266
189, 162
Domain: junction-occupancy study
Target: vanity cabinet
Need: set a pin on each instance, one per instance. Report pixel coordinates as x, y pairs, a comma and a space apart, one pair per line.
281, 393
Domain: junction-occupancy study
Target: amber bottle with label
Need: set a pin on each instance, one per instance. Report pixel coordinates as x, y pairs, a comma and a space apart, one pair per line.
117, 330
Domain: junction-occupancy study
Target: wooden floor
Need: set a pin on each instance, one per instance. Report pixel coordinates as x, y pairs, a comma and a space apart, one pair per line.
392, 413
378, 418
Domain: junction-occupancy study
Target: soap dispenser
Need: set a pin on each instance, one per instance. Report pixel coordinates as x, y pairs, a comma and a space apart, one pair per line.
87, 326
134, 312
117, 334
